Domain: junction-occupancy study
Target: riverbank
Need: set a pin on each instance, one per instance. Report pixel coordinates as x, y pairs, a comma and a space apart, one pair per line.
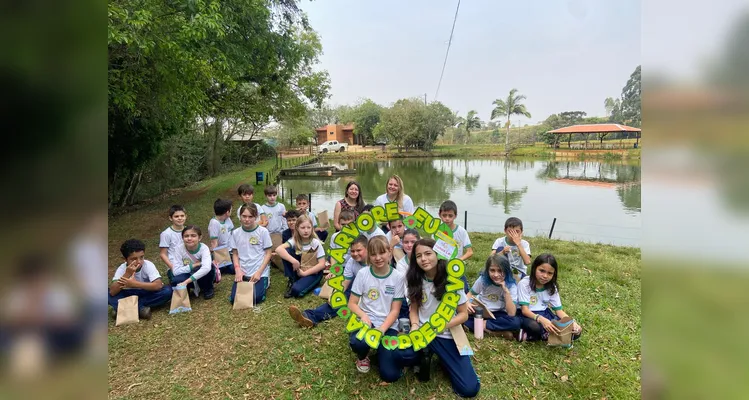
263, 354
459, 151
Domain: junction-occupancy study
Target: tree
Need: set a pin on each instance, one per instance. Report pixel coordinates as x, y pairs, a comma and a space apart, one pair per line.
507, 108
411, 123
631, 109
613, 110
471, 121
365, 116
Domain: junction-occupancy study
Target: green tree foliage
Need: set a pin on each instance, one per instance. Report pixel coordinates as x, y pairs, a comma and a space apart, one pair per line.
471, 121
411, 123
509, 107
631, 109
365, 116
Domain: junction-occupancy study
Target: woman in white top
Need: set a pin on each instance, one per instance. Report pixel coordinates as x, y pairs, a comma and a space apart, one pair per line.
394, 193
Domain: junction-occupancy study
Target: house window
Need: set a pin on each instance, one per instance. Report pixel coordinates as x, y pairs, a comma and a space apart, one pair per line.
332, 133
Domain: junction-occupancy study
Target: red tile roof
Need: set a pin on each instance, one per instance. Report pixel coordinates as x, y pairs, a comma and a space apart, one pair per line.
596, 128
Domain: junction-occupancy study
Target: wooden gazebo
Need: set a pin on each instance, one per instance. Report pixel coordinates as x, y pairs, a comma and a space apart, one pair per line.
588, 129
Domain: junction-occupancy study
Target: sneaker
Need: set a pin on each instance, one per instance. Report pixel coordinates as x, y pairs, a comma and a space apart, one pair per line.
363, 365
208, 295
522, 336
144, 313
300, 318
288, 295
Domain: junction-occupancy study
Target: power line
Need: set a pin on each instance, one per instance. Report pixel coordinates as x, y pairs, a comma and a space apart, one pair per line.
448, 50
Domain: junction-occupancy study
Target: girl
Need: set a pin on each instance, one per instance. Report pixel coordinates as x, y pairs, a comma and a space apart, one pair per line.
394, 192
536, 292
307, 260
497, 290
380, 290
426, 286
401, 265
196, 265
250, 245
352, 200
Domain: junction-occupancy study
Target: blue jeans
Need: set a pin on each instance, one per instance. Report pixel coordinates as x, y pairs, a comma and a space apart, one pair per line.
465, 382
535, 330
390, 364
146, 298
205, 283
260, 287
502, 322
305, 284
324, 312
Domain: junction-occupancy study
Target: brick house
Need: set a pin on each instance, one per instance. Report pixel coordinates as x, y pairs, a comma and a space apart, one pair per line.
341, 133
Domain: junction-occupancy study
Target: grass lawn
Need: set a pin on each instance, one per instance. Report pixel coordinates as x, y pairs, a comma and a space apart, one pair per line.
214, 352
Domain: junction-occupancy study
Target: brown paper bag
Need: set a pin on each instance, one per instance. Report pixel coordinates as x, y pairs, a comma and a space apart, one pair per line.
276, 240
245, 296
180, 300
461, 341
323, 221
221, 256
487, 313
564, 338
326, 291
309, 259
127, 311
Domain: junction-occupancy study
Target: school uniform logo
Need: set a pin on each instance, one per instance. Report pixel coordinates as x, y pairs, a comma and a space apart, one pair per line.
534, 300
223, 230
253, 240
373, 294
390, 289
493, 297
185, 261
424, 297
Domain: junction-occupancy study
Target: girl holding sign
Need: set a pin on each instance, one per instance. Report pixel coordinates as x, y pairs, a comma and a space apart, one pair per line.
426, 286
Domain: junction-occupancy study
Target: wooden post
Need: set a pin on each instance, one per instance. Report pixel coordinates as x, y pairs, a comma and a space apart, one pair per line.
552, 227
465, 220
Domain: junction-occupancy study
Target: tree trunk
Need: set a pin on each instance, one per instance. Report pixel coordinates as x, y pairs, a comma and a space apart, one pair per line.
507, 136
215, 165
133, 188
126, 190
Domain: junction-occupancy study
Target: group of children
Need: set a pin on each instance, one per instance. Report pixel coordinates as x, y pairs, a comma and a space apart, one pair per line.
393, 278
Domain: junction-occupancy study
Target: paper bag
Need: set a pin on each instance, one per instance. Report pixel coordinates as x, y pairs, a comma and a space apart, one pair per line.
127, 311
221, 256
326, 291
309, 259
180, 300
323, 222
564, 338
461, 341
276, 240
487, 313
245, 296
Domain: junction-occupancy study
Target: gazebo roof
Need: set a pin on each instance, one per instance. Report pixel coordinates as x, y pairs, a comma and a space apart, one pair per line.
596, 128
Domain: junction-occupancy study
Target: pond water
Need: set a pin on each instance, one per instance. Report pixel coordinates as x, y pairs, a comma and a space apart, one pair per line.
593, 201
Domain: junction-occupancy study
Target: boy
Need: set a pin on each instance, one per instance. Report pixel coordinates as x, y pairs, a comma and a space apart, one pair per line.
519, 256
219, 230
375, 231
274, 212
395, 232
247, 194
250, 245
138, 277
448, 212
171, 237
356, 262
302, 203
291, 217
345, 217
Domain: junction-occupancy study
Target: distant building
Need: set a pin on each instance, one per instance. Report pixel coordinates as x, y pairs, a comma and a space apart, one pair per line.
341, 133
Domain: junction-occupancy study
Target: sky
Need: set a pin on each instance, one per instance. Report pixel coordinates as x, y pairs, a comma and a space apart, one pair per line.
563, 55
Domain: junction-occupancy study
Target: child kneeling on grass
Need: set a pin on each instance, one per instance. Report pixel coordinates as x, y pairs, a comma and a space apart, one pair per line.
250, 245
306, 258
536, 293
496, 289
196, 266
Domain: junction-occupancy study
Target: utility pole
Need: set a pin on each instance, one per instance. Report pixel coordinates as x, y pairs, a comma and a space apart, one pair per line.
425, 99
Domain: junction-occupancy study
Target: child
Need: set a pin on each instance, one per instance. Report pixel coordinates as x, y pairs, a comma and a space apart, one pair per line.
448, 212
402, 256
196, 265
307, 261
426, 286
519, 256
138, 277
219, 230
302, 204
375, 231
171, 238
395, 232
356, 262
247, 194
274, 212
345, 217
536, 292
250, 245
497, 290
379, 288
291, 217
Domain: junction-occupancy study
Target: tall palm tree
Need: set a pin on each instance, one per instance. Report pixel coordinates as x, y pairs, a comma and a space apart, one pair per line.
471, 121
509, 107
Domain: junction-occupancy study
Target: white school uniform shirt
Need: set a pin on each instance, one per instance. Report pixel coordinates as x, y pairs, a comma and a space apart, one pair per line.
312, 217
314, 244
516, 262
352, 268
333, 245
147, 273
220, 231
537, 299
429, 305
260, 211
492, 295
276, 220
189, 258
250, 246
171, 240
408, 204
402, 267
376, 232
377, 294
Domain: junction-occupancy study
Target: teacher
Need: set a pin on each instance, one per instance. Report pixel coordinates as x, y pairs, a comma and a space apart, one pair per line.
394, 193
352, 200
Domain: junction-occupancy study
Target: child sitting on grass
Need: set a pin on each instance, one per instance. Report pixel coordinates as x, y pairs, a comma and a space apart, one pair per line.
305, 254
496, 289
517, 250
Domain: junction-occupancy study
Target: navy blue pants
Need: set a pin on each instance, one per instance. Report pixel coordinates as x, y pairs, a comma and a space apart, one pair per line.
146, 298
390, 362
322, 235
300, 285
535, 330
260, 287
324, 312
502, 322
404, 310
463, 378
205, 283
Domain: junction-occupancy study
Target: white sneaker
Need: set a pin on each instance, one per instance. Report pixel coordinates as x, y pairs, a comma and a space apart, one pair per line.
363, 365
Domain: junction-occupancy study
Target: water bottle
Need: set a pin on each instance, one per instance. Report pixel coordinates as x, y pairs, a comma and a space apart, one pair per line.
478, 323
404, 325
317, 291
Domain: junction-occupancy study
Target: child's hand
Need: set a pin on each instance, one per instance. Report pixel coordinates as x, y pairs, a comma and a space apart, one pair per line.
329, 276
366, 320
188, 280
470, 308
382, 329
515, 235
576, 328
296, 265
395, 240
256, 276
238, 277
550, 327
302, 273
131, 269
127, 282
